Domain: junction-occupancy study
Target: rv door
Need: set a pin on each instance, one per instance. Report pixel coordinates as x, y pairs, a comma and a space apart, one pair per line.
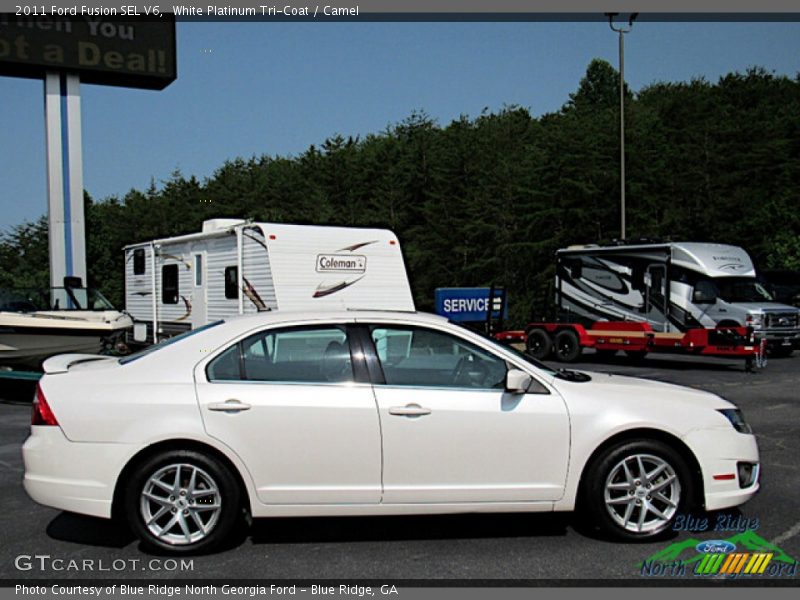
199, 294
656, 300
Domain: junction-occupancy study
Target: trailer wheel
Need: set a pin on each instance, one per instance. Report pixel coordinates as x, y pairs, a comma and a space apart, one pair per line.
539, 345
567, 346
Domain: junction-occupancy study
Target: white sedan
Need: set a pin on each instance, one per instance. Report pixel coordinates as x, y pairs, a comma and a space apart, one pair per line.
367, 413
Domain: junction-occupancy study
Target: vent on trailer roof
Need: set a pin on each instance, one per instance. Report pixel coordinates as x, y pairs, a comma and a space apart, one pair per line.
213, 225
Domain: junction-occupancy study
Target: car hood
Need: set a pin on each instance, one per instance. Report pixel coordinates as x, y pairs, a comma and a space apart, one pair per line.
621, 388
766, 306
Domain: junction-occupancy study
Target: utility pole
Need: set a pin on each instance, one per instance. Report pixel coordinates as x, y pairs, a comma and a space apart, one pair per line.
622, 31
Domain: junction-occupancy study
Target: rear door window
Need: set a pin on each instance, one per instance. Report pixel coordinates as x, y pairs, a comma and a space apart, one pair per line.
292, 355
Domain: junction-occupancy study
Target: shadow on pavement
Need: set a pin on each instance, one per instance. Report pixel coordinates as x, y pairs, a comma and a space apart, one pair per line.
427, 527
89, 531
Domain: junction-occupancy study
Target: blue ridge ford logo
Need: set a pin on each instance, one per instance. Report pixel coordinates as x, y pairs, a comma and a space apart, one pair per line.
715, 547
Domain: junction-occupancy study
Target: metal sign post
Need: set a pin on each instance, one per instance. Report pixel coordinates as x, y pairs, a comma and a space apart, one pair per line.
62, 107
65, 50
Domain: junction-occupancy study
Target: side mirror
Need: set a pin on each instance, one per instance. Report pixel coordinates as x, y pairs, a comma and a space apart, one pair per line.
517, 382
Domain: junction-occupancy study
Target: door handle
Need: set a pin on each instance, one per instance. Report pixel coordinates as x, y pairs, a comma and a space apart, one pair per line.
231, 405
409, 410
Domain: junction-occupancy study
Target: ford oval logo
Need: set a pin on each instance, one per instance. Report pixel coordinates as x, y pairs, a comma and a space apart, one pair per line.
715, 547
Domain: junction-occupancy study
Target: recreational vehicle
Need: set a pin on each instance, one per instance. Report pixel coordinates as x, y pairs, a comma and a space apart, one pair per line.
672, 287
234, 267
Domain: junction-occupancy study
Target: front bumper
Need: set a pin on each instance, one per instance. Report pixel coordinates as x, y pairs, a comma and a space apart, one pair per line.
778, 337
719, 451
73, 476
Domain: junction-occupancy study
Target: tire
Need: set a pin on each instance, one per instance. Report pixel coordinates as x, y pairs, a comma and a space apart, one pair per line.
147, 495
539, 345
566, 346
780, 351
621, 505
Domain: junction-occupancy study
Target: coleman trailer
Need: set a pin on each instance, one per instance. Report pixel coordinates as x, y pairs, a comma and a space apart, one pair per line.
234, 267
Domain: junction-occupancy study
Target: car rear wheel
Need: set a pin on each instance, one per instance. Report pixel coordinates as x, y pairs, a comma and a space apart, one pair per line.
636, 489
182, 501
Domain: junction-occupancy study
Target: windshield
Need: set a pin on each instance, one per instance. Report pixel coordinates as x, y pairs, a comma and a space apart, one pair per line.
150, 349
59, 298
742, 289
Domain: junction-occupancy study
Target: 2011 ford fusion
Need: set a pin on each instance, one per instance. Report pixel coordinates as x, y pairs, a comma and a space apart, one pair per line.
367, 413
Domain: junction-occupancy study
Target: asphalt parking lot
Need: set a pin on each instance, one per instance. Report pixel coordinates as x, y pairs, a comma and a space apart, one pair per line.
506, 546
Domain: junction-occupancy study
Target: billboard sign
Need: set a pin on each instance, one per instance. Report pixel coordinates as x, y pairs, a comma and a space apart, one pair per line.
469, 304
128, 52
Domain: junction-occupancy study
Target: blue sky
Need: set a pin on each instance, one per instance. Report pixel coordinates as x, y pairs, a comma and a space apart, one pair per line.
247, 89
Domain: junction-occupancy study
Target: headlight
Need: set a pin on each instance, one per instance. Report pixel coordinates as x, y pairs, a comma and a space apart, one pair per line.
754, 320
736, 418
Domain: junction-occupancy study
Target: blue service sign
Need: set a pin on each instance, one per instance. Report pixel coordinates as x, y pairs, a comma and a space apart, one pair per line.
468, 304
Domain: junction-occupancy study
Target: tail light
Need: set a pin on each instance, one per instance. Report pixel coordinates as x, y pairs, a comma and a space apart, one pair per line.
42, 414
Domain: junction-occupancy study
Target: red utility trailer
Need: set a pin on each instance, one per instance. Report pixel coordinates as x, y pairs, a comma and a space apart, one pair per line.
566, 341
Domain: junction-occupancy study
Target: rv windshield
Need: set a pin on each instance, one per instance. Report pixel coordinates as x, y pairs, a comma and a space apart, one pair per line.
741, 289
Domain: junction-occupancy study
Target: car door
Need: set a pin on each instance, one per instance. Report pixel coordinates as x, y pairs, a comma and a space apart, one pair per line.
450, 431
288, 403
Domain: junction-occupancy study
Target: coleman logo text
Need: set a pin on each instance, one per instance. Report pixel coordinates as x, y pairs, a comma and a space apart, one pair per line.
341, 263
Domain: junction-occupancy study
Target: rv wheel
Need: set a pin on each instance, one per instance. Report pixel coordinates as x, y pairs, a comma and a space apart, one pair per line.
539, 345
567, 346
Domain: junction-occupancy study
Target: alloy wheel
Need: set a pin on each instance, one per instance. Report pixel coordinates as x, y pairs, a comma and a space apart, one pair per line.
180, 504
642, 493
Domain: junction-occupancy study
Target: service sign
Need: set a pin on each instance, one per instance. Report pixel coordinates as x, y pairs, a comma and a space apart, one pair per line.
468, 304
128, 52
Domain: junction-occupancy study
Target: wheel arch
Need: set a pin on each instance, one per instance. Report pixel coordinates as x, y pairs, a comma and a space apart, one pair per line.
169, 445
696, 499
729, 323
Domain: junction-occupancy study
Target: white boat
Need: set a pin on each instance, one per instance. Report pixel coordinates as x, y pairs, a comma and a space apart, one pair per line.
37, 324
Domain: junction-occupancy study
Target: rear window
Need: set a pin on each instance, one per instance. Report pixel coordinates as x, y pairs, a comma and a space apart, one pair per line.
173, 340
138, 261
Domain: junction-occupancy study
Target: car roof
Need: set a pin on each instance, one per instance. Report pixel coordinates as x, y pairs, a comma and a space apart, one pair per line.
267, 318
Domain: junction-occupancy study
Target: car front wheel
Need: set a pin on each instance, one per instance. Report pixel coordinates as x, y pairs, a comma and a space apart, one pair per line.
636, 489
182, 502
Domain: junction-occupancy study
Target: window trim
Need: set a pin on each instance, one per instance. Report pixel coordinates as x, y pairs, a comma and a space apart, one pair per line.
357, 356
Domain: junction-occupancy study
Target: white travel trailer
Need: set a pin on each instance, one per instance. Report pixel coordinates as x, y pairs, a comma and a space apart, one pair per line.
672, 286
234, 267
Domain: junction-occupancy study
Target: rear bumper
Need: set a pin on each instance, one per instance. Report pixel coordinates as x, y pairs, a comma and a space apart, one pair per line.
73, 476
719, 452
